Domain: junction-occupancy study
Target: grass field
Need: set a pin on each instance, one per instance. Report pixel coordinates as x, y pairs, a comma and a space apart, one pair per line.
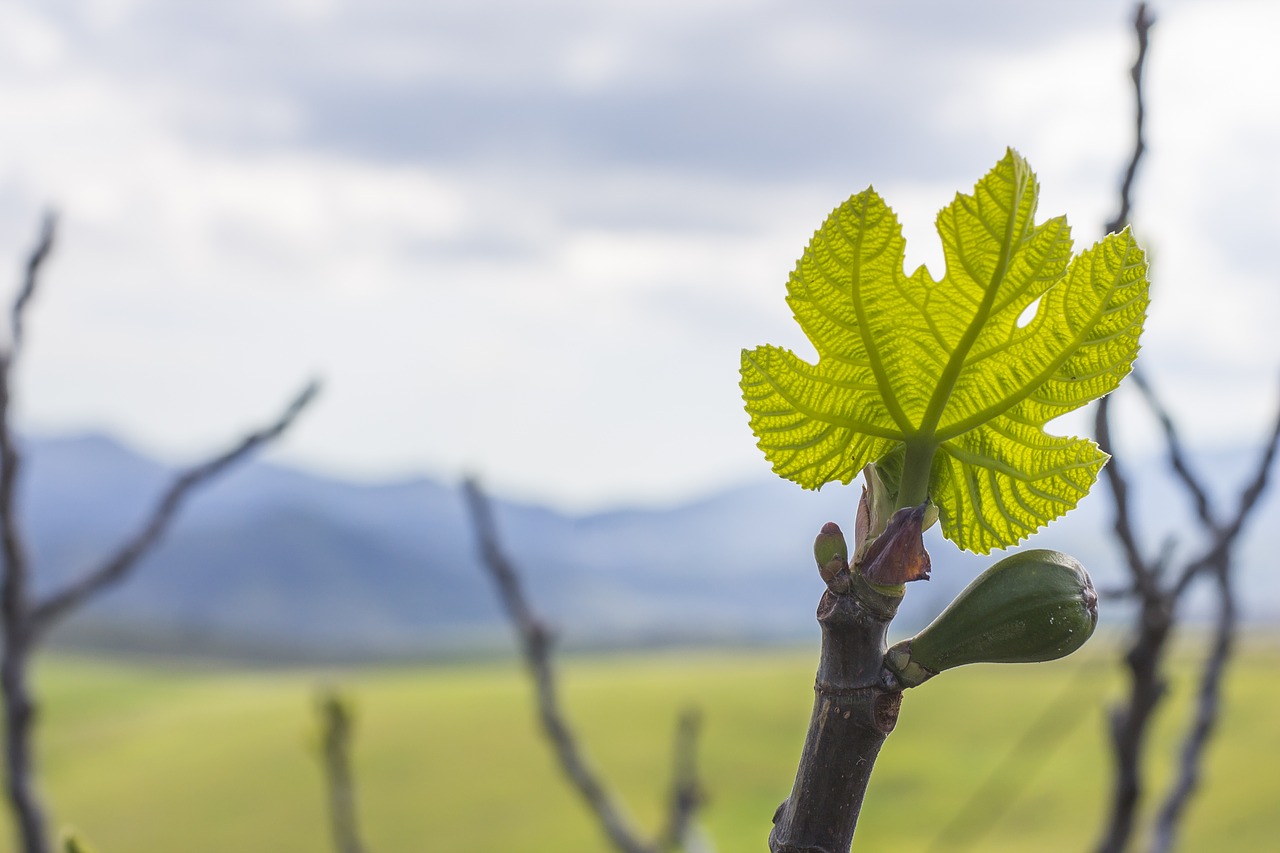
147, 759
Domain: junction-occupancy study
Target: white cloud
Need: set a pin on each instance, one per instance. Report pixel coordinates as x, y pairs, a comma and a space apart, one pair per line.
29, 42
552, 302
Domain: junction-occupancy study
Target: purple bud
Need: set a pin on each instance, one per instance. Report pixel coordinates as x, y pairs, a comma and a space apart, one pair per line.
898, 555
831, 551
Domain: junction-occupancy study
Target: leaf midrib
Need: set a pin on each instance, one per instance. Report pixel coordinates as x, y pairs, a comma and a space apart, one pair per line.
951, 373
873, 355
812, 413
1034, 384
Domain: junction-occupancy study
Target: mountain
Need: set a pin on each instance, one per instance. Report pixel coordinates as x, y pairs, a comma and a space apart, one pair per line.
273, 560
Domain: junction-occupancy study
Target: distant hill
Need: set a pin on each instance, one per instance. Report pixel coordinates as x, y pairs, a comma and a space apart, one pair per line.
276, 561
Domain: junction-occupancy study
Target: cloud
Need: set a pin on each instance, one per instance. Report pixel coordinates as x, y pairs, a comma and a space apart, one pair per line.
530, 239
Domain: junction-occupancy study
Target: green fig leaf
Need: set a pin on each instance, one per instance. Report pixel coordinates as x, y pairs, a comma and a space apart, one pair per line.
947, 385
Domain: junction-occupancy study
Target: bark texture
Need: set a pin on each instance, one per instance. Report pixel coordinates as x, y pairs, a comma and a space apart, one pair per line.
853, 712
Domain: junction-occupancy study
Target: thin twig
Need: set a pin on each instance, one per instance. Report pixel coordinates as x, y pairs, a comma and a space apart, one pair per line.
687, 795
59, 603
1128, 721
1142, 22
1158, 611
1257, 485
1208, 707
35, 260
15, 604
1177, 455
536, 642
337, 722
1141, 570
1158, 602
24, 622
1143, 573
1225, 535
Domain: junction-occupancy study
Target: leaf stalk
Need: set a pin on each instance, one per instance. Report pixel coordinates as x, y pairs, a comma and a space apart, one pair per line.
913, 488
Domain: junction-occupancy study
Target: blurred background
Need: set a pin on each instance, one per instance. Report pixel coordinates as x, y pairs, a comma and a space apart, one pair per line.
528, 241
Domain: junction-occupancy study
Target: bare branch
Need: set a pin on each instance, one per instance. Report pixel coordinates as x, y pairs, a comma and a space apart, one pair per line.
13, 602
23, 620
59, 603
687, 795
19, 705
1128, 721
1131, 721
1142, 22
13, 599
15, 606
1177, 456
1252, 492
1142, 572
337, 722
31, 279
535, 642
1218, 559
1206, 716
1225, 536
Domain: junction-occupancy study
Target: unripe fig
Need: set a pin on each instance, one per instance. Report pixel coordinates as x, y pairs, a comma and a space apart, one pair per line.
1032, 606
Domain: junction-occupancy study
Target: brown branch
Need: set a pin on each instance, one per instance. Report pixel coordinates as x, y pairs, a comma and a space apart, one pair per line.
1225, 535
35, 261
1257, 485
856, 694
1128, 722
336, 725
1177, 455
687, 795
14, 598
1208, 706
15, 605
1158, 602
1143, 573
535, 642
1142, 22
116, 567
24, 622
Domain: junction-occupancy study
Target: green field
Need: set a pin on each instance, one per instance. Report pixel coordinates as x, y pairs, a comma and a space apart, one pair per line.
151, 758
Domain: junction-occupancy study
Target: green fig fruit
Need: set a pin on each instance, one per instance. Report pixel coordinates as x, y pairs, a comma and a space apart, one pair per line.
1032, 606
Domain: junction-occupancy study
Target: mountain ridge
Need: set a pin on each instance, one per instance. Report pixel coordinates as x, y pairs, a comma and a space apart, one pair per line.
272, 558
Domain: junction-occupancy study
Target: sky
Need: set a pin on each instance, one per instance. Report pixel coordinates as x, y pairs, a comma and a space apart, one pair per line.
529, 240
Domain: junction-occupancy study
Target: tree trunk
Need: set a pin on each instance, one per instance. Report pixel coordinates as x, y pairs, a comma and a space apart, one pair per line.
853, 713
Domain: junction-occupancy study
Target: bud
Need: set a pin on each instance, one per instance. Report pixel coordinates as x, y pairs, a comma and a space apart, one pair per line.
1032, 606
831, 551
898, 555
874, 511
